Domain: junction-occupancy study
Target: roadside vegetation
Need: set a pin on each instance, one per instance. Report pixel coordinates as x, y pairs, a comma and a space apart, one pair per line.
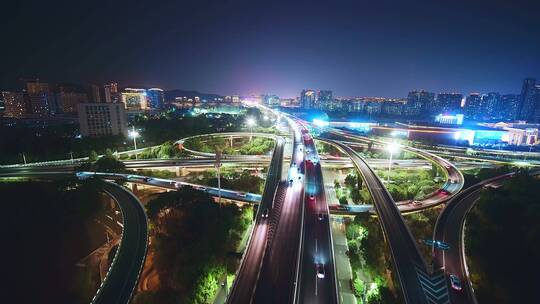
352, 189
370, 261
408, 184
502, 241
244, 181
195, 243
421, 224
240, 146
49, 227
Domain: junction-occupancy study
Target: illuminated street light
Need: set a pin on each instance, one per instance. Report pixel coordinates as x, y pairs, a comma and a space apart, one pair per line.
134, 134
250, 122
391, 148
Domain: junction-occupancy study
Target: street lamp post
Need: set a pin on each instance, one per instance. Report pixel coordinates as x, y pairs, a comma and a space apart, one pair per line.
218, 172
391, 148
134, 134
250, 123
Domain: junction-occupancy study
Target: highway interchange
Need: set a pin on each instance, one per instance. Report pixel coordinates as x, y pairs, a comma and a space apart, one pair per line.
292, 225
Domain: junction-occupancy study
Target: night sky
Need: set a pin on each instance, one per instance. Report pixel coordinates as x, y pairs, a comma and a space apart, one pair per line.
355, 48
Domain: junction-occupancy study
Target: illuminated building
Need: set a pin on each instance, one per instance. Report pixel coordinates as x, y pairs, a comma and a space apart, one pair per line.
373, 107
325, 100
271, 100
111, 92
134, 99
101, 119
155, 98
449, 119
420, 103
14, 105
39, 98
491, 105
235, 99
528, 101
93, 93
68, 101
510, 106
393, 107
449, 102
473, 105
308, 99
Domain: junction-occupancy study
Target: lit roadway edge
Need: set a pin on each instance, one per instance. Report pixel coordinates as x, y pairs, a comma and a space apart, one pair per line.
449, 229
245, 283
317, 246
279, 272
432, 199
405, 254
123, 274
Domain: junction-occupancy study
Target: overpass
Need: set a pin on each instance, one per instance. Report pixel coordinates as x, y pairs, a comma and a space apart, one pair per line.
416, 285
125, 269
243, 289
449, 229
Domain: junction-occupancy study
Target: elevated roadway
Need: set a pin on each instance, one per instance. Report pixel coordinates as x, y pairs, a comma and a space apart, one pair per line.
243, 289
405, 254
449, 230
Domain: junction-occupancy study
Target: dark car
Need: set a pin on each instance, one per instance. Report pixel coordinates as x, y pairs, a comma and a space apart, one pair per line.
265, 213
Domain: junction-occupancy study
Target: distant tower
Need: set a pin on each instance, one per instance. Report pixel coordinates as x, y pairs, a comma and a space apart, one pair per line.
111, 92
528, 99
308, 98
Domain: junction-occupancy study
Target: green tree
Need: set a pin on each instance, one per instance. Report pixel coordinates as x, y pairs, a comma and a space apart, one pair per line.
93, 156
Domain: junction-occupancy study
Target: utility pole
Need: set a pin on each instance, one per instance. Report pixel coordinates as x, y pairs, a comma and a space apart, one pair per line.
71, 154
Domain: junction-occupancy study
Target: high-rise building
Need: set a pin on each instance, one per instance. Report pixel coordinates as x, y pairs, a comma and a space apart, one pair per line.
510, 106
68, 101
473, 106
308, 98
491, 104
34, 86
94, 93
111, 92
15, 105
134, 99
325, 100
271, 100
419, 103
156, 98
528, 102
393, 107
99, 119
449, 102
39, 98
537, 103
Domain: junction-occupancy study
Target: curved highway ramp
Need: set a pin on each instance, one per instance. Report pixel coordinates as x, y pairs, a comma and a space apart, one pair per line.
123, 274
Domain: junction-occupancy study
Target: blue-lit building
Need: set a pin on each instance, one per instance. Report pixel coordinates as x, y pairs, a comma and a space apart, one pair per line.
491, 105
473, 106
449, 102
308, 99
510, 106
420, 103
528, 101
156, 98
